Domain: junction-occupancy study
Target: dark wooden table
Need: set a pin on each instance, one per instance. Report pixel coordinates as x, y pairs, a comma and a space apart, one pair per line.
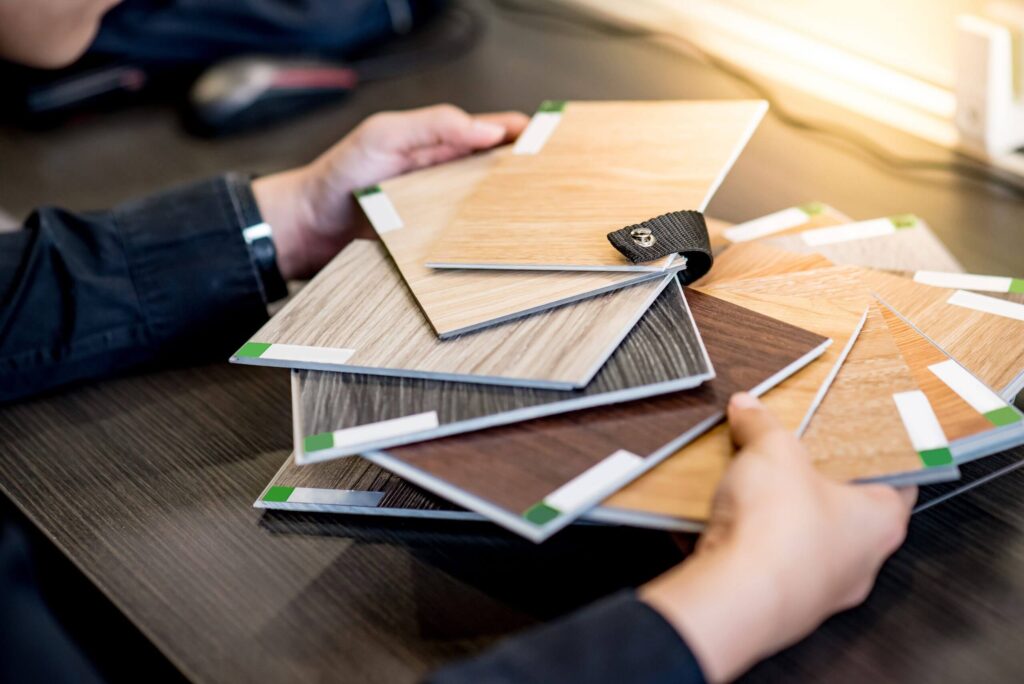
145, 482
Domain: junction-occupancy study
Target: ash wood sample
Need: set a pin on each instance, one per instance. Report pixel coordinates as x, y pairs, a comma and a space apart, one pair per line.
340, 414
603, 166
357, 315
857, 432
682, 487
897, 243
537, 476
458, 301
973, 417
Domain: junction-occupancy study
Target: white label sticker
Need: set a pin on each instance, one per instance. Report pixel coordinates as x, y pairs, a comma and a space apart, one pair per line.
963, 281
605, 476
766, 225
968, 387
919, 419
335, 497
850, 231
382, 213
537, 132
986, 304
395, 427
297, 352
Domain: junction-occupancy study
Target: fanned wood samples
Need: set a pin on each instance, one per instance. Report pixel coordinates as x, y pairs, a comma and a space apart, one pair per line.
756, 260
681, 488
585, 169
340, 414
537, 476
357, 315
786, 222
458, 301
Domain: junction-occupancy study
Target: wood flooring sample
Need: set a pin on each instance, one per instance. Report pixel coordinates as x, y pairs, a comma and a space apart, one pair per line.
410, 212
341, 414
756, 260
792, 220
582, 170
975, 420
898, 242
538, 476
682, 487
357, 315
353, 486
860, 431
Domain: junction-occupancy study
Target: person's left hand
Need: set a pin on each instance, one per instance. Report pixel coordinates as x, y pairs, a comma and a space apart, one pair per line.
311, 209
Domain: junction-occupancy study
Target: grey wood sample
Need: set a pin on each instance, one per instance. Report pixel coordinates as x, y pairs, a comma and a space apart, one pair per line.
358, 315
340, 414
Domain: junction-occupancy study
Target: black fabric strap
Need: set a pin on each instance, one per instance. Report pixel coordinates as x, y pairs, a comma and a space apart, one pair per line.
678, 232
262, 250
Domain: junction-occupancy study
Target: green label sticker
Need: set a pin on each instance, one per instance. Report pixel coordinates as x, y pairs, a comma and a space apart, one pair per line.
933, 458
551, 106
278, 494
363, 192
812, 208
541, 513
903, 220
318, 442
1017, 285
253, 350
1003, 416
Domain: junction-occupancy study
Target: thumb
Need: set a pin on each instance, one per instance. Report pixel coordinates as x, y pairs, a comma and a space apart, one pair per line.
750, 420
447, 125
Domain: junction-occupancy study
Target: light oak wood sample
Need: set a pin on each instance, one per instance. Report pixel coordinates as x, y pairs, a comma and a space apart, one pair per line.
458, 301
785, 222
605, 166
538, 476
682, 487
908, 247
857, 433
340, 414
357, 315
750, 260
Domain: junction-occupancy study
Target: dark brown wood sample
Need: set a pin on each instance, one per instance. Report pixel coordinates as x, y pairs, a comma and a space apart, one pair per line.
537, 476
341, 414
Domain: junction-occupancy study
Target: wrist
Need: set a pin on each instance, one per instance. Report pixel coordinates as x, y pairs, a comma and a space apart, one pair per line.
723, 607
284, 202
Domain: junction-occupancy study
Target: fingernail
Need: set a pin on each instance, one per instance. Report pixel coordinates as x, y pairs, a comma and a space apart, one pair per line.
742, 400
491, 130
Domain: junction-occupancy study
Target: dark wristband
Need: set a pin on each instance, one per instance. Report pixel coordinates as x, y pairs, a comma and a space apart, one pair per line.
259, 238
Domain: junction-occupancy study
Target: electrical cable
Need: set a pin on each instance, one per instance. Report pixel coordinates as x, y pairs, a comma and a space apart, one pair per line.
849, 138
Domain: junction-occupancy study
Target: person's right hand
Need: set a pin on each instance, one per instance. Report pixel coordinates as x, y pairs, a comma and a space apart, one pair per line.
784, 549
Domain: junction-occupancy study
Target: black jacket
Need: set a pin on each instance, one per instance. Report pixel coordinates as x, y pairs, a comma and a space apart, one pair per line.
170, 279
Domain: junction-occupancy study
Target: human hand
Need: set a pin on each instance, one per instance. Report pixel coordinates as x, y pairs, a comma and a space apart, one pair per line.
784, 549
311, 208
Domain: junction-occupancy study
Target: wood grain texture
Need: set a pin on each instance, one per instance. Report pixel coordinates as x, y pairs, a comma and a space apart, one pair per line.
682, 487
915, 248
748, 260
987, 345
607, 165
663, 353
398, 497
815, 215
360, 302
456, 301
513, 468
857, 432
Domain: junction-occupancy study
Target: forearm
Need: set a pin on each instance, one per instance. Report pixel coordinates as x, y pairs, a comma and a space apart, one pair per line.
89, 295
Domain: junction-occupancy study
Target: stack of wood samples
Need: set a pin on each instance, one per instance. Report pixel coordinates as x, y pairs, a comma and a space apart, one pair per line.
410, 212
582, 170
538, 476
340, 414
358, 316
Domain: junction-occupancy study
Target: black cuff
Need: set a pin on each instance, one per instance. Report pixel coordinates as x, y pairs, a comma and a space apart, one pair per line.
261, 248
618, 639
198, 289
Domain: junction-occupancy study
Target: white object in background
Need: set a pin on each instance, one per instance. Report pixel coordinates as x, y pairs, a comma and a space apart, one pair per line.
989, 110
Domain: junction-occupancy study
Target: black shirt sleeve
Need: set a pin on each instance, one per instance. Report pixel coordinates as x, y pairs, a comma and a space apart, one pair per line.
620, 639
167, 278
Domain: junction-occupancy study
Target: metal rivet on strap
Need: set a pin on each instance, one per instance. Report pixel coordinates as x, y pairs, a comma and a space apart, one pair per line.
643, 237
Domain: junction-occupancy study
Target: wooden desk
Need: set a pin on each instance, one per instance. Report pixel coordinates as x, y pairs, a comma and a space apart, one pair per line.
146, 482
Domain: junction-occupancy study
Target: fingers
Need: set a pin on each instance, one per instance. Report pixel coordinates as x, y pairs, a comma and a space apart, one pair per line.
441, 126
750, 420
885, 514
513, 122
